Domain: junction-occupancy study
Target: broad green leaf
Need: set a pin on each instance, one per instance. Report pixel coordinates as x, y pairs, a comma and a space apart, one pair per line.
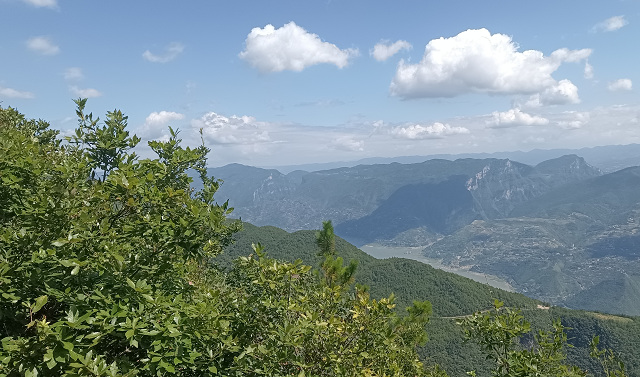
40, 302
60, 242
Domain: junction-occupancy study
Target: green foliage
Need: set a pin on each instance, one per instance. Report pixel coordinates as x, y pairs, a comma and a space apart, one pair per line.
450, 295
336, 274
95, 273
611, 363
290, 322
326, 239
111, 276
499, 332
105, 146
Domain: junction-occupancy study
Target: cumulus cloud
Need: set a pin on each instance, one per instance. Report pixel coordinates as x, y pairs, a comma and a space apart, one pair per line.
85, 93
588, 70
170, 52
475, 61
348, 143
291, 48
562, 93
435, 131
383, 50
42, 3
13, 93
162, 117
73, 74
611, 24
42, 45
155, 125
621, 84
515, 118
219, 129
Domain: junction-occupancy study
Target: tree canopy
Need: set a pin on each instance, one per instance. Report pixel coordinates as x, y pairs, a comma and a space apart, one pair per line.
105, 271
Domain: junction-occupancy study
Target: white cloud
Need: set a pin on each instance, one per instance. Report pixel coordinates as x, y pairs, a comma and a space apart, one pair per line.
588, 70
475, 61
42, 3
291, 48
348, 143
42, 45
219, 129
170, 52
383, 50
13, 93
611, 24
155, 125
571, 56
85, 93
435, 131
163, 117
572, 120
621, 84
562, 93
73, 74
515, 118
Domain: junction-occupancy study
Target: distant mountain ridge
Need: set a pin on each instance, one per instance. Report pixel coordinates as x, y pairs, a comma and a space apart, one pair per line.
357, 196
608, 158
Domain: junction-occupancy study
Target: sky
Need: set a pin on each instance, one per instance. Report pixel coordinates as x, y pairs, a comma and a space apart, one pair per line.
287, 82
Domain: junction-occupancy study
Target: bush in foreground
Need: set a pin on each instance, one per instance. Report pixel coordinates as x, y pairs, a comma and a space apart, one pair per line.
104, 272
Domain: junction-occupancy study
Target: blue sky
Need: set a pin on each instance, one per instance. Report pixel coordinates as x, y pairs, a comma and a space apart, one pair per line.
284, 82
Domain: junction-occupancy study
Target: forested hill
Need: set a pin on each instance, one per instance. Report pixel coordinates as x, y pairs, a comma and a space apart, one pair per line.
451, 296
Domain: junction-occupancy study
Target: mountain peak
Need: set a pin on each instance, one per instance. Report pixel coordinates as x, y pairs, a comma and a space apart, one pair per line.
569, 163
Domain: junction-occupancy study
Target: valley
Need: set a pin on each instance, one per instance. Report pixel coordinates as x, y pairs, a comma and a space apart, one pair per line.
561, 231
415, 253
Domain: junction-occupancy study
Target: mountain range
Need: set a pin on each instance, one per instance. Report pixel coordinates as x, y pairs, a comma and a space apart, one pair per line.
607, 158
561, 231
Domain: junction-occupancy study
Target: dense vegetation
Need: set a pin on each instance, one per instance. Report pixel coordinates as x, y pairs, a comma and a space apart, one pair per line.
104, 272
453, 297
111, 265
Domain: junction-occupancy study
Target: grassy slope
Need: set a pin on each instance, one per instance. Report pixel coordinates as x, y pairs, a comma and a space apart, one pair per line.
451, 295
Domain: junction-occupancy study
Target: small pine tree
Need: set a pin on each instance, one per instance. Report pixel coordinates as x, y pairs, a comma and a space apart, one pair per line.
326, 239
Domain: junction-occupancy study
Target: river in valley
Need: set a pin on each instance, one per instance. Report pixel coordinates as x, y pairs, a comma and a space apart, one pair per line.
415, 253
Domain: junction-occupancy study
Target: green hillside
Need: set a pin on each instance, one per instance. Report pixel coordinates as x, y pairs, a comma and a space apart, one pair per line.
451, 296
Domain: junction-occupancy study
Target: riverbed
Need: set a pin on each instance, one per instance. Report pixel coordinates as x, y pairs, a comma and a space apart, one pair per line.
415, 253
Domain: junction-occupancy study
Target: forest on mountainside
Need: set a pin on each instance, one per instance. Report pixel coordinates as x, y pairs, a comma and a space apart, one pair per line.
113, 265
452, 296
